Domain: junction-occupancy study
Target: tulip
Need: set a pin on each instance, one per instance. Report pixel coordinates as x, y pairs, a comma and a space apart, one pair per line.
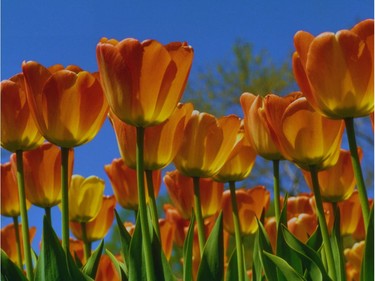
161, 142
107, 270
181, 191
124, 183
303, 226
336, 71
18, 129
207, 144
8, 241
42, 174
337, 182
270, 226
143, 81
181, 224
68, 104
10, 206
299, 204
76, 249
350, 214
97, 228
167, 229
354, 258
85, 198
239, 165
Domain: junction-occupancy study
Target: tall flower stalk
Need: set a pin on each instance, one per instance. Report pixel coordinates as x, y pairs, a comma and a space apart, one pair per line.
65, 198
276, 188
198, 215
152, 203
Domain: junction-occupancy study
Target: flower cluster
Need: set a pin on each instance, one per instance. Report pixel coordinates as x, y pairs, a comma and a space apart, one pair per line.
48, 112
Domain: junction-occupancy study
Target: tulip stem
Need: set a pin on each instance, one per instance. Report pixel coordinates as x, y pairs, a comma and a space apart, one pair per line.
198, 215
323, 223
276, 189
65, 198
24, 218
18, 241
338, 238
153, 208
349, 123
142, 207
47, 211
87, 248
237, 232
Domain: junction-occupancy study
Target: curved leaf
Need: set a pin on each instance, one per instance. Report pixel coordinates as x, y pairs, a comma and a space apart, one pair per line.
9, 270
92, 264
188, 252
367, 270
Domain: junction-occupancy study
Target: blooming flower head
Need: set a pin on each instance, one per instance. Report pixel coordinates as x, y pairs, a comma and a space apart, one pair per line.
67, 104
124, 183
207, 144
143, 81
161, 142
181, 191
98, 228
303, 135
85, 198
18, 128
336, 71
10, 206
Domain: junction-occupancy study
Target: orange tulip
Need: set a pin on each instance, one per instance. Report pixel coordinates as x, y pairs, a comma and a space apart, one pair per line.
360, 232
256, 129
106, 270
250, 207
97, 228
161, 142
303, 226
85, 198
299, 205
10, 206
207, 144
68, 104
336, 71
124, 183
167, 230
143, 81
42, 173
337, 182
181, 224
354, 258
302, 134
76, 249
350, 213
181, 191
239, 165
270, 226
8, 241
18, 129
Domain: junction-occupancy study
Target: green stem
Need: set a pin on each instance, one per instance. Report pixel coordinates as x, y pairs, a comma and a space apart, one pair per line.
349, 123
237, 232
87, 248
65, 198
24, 218
47, 211
18, 241
198, 215
323, 223
336, 228
153, 208
142, 207
276, 189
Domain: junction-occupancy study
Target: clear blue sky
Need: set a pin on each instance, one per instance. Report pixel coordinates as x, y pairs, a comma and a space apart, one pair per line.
67, 32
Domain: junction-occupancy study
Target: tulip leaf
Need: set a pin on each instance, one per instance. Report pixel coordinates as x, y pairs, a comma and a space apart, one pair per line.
9, 270
232, 269
289, 272
188, 252
75, 272
310, 259
136, 262
52, 264
257, 263
315, 241
337, 247
118, 266
125, 239
367, 270
211, 267
92, 264
265, 246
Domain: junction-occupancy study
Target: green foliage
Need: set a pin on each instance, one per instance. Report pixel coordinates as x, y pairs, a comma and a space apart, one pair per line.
10, 271
367, 271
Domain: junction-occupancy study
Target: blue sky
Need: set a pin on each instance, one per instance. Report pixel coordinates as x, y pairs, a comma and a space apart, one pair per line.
67, 32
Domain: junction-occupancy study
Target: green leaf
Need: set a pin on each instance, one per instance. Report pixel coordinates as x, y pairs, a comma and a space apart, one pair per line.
52, 263
289, 273
92, 264
232, 269
367, 270
337, 247
257, 262
211, 267
9, 270
136, 262
125, 239
315, 241
309, 258
265, 246
119, 268
75, 272
188, 252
